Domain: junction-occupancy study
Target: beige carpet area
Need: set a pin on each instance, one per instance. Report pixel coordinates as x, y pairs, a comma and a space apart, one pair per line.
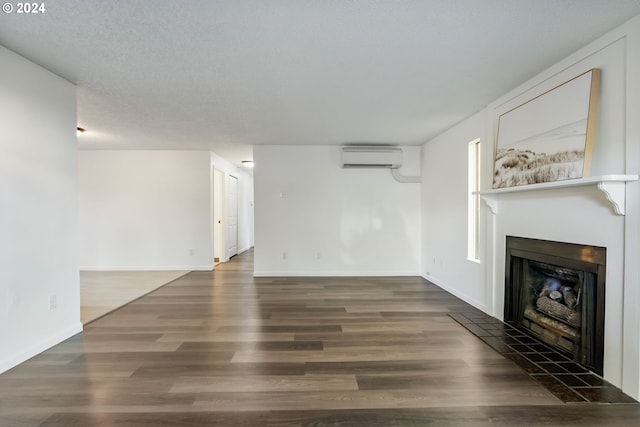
104, 291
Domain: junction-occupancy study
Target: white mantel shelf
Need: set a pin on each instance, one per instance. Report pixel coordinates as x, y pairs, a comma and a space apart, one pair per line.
613, 186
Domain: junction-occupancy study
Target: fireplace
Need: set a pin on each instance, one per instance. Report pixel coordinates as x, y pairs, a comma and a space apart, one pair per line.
555, 292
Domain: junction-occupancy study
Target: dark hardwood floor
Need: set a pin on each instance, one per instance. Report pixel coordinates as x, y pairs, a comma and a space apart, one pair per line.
225, 349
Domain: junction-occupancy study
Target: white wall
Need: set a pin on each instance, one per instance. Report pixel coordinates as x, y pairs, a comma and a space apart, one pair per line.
444, 212
315, 218
245, 212
577, 215
145, 210
38, 210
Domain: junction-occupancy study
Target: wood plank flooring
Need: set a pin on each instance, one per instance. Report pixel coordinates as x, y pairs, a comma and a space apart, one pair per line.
225, 349
101, 292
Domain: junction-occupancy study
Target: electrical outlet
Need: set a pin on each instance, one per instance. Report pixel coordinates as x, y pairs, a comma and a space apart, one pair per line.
12, 300
284, 255
192, 252
53, 302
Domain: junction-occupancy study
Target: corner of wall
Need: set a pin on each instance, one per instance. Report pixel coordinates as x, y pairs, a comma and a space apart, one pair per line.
11, 360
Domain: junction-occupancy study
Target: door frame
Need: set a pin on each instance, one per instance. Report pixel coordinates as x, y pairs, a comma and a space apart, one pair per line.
218, 214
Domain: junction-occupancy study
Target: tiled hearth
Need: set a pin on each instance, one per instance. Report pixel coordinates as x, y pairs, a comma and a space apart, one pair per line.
567, 380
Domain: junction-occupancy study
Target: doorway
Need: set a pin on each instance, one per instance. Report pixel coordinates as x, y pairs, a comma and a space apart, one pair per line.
231, 237
218, 215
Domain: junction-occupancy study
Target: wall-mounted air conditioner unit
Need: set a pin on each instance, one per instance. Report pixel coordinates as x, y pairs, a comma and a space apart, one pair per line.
371, 157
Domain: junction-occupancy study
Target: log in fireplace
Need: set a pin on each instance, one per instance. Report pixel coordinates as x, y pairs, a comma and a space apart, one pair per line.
555, 292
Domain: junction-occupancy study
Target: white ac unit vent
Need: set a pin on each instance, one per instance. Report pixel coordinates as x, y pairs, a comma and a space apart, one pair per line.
371, 157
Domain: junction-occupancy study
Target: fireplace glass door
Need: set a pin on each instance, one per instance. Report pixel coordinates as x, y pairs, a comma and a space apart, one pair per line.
557, 296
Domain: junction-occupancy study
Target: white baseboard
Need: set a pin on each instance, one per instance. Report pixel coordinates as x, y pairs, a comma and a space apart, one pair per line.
324, 273
480, 306
35, 349
147, 268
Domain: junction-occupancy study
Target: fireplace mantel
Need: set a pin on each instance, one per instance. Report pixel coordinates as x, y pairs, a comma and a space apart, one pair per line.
613, 186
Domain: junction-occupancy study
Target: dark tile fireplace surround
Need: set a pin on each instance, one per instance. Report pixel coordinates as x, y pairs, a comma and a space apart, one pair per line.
553, 318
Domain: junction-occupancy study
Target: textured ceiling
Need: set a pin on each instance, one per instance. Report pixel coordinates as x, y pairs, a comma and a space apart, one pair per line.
226, 75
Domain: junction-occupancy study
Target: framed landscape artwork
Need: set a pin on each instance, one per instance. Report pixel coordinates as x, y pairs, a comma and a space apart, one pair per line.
548, 138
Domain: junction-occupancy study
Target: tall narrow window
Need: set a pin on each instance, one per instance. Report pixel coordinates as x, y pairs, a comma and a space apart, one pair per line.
474, 201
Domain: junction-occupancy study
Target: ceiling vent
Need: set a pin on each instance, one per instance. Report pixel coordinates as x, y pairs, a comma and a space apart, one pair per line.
375, 156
